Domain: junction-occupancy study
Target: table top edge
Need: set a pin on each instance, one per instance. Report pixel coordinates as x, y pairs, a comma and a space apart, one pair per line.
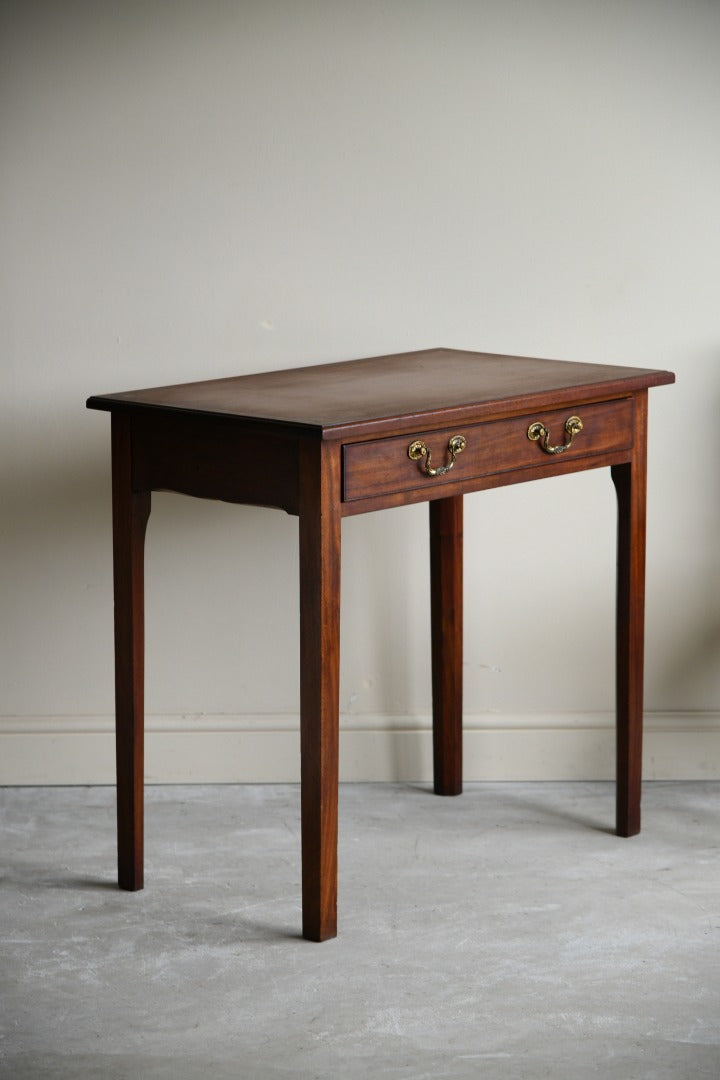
316, 424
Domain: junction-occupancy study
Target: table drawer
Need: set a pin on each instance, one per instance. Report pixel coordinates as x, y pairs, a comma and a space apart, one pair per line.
383, 466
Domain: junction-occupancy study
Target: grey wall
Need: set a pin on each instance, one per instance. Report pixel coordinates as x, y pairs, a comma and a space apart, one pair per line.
193, 190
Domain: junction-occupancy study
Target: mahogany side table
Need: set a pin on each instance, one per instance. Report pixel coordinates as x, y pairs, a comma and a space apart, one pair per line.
330, 440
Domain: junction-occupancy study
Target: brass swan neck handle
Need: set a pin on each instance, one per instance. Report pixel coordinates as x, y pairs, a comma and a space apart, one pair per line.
538, 431
418, 450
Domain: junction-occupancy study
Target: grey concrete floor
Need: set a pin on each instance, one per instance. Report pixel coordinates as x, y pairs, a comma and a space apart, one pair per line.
503, 934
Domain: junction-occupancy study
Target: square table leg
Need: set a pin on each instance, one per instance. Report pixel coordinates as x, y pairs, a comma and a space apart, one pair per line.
320, 521
630, 485
446, 603
130, 515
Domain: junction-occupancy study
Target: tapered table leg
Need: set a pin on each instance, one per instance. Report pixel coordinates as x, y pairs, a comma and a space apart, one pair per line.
630, 485
319, 683
446, 602
130, 514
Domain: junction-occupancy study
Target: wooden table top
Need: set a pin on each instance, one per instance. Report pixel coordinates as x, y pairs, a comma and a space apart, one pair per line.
380, 393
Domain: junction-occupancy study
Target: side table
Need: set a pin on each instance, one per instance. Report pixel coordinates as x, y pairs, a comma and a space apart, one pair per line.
330, 440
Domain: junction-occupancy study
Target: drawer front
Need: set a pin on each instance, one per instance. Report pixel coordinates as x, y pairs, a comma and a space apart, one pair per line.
383, 467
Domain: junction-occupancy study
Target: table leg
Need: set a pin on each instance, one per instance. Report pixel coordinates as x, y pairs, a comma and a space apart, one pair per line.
319, 683
130, 514
446, 603
630, 485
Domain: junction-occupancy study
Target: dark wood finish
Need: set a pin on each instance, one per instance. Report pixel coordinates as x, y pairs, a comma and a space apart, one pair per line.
131, 510
558, 466
446, 604
630, 485
383, 466
281, 439
320, 522
216, 458
392, 394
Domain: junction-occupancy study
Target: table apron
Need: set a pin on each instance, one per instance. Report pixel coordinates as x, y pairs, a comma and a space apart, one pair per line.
215, 458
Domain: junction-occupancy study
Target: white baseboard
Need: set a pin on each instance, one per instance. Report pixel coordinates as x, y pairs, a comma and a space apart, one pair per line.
266, 749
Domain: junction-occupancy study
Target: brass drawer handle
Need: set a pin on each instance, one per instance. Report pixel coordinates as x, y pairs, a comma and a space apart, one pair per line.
418, 449
573, 426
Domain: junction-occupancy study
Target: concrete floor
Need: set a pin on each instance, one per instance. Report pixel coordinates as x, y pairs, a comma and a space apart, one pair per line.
504, 934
